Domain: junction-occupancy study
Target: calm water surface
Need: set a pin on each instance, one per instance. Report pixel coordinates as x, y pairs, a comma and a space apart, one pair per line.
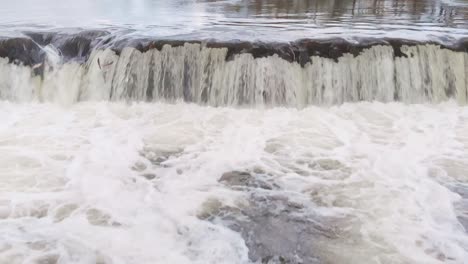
244, 19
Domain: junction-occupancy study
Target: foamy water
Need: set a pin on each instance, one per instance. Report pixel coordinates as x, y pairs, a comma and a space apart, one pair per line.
119, 183
206, 76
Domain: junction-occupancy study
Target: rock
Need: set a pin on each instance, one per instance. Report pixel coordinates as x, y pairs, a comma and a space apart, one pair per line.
299, 51
461, 206
158, 157
64, 212
210, 208
98, 218
243, 179
460, 189
149, 176
236, 178
139, 166
275, 229
47, 259
21, 51
464, 222
72, 46
329, 164
38, 245
28, 50
78, 46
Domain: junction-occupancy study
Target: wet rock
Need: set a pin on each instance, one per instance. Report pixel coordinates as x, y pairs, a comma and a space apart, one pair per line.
275, 229
273, 146
461, 206
37, 209
298, 51
28, 50
464, 222
329, 164
243, 179
72, 46
210, 208
139, 166
41, 38
37, 245
64, 212
277, 237
97, 217
157, 157
78, 46
258, 170
47, 259
462, 212
149, 176
460, 189
236, 178
21, 51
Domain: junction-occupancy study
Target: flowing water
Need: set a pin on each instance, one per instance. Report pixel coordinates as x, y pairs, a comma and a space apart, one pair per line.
119, 183
194, 73
141, 131
243, 19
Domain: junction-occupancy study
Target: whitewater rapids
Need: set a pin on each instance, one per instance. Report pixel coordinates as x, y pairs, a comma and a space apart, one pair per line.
106, 182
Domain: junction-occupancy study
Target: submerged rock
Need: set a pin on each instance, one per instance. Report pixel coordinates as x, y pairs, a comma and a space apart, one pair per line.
462, 205
157, 157
329, 164
275, 229
149, 176
274, 234
72, 46
139, 167
236, 178
48, 259
78, 46
243, 179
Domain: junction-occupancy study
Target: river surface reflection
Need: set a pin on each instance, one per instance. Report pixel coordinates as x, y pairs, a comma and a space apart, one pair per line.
244, 19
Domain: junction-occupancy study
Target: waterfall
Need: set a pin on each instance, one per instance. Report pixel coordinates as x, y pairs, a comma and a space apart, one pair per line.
205, 75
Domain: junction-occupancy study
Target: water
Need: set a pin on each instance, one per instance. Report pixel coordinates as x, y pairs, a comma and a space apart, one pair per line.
279, 20
119, 183
119, 149
194, 73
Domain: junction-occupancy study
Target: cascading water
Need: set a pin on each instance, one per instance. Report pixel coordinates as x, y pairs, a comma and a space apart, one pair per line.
306, 132
196, 73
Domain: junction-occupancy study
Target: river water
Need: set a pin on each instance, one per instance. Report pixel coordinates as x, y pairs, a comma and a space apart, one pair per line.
278, 20
187, 154
118, 183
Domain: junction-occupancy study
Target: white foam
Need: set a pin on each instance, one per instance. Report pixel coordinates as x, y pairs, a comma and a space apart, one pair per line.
68, 190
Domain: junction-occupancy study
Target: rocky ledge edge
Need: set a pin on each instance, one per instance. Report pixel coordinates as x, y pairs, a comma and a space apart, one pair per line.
29, 49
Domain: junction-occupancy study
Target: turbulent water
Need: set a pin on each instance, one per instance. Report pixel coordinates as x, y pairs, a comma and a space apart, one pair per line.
195, 73
234, 131
149, 183
190, 154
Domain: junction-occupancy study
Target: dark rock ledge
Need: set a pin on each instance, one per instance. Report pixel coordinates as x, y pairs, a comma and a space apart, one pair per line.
28, 49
